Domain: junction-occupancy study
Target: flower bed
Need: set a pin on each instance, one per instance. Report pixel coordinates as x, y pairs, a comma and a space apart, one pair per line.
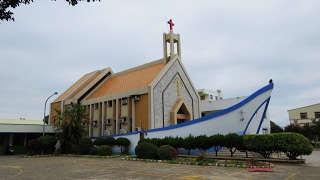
192, 161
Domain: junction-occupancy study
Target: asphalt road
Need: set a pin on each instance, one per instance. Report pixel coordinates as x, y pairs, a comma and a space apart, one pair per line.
18, 167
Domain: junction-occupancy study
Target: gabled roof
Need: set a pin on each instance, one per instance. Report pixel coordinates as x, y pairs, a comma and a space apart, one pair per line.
304, 107
131, 79
83, 85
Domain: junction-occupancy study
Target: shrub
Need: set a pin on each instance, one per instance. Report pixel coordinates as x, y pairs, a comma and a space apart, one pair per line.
201, 156
166, 152
104, 150
146, 150
110, 141
164, 141
144, 140
123, 142
47, 143
85, 144
292, 144
158, 142
34, 145
100, 142
93, 150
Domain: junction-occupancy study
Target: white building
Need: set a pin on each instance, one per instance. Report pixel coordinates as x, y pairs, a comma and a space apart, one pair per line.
213, 101
17, 132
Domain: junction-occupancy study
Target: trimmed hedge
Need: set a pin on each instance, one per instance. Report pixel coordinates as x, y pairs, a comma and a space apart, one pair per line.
100, 142
166, 152
93, 150
85, 144
110, 141
146, 150
104, 150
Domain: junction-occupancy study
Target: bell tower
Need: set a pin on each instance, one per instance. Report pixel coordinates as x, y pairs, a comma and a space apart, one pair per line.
170, 38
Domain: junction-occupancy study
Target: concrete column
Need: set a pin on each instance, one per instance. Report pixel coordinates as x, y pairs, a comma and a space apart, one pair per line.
171, 45
25, 139
117, 116
133, 109
165, 51
11, 139
103, 118
179, 46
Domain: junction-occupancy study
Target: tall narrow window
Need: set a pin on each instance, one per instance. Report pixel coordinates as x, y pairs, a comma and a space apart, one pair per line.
109, 103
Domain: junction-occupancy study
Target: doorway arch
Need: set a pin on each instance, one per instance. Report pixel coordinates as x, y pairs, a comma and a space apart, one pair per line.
180, 112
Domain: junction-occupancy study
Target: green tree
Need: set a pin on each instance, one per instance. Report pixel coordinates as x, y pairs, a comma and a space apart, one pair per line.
217, 142
315, 131
202, 142
188, 143
306, 130
292, 144
5, 5
230, 141
239, 145
123, 143
69, 126
293, 128
275, 128
260, 143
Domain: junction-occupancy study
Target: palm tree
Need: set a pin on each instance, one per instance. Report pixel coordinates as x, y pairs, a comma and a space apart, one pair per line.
70, 126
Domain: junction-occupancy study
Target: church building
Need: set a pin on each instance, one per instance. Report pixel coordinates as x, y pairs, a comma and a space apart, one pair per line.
153, 95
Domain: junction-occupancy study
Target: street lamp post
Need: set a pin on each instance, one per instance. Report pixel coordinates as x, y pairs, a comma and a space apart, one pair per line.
44, 117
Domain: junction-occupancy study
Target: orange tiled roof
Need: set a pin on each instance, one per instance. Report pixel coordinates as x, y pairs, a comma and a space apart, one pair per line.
135, 79
73, 87
93, 79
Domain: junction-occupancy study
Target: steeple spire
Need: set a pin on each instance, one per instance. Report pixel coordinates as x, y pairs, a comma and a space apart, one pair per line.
170, 38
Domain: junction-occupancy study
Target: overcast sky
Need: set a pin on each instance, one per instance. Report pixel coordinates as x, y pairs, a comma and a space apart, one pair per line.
235, 46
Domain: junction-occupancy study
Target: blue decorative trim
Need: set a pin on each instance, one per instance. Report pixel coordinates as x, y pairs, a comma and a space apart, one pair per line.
245, 130
263, 115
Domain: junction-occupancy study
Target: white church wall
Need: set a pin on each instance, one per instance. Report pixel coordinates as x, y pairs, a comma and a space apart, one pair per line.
165, 95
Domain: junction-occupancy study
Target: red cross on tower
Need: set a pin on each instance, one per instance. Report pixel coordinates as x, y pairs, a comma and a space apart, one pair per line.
171, 24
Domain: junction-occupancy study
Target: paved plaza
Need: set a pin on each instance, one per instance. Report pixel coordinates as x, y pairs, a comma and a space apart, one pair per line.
17, 167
